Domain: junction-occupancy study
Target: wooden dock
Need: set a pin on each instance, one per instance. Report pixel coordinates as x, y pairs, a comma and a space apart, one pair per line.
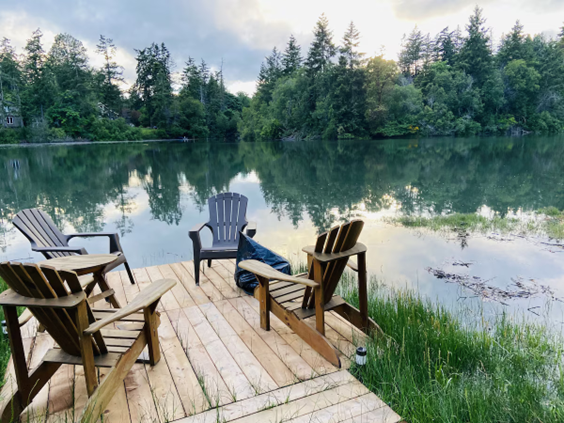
217, 364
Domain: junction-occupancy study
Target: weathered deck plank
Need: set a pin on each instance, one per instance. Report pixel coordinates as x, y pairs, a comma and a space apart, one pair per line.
209, 378
238, 385
290, 357
279, 372
256, 374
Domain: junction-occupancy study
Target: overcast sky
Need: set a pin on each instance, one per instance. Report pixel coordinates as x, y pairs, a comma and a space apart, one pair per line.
242, 32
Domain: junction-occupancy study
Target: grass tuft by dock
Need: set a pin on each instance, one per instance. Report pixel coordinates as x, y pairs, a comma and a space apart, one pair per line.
449, 366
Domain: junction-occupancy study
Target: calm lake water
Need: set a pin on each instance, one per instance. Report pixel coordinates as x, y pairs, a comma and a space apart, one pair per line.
153, 193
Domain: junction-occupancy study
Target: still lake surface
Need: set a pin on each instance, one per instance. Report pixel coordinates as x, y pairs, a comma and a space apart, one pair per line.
153, 193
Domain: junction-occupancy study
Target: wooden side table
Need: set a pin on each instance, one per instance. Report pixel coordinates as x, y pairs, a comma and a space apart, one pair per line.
84, 265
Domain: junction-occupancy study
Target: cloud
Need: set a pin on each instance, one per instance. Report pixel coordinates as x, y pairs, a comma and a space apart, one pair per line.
230, 30
422, 9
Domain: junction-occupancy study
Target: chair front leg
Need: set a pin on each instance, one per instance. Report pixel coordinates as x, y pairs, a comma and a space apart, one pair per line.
197, 245
151, 333
319, 298
17, 348
363, 290
86, 350
264, 299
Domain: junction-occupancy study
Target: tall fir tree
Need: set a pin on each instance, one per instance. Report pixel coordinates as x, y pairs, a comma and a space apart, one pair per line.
415, 52
513, 46
446, 47
349, 49
292, 57
39, 85
476, 54
322, 48
347, 94
270, 71
154, 84
10, 81
111, 73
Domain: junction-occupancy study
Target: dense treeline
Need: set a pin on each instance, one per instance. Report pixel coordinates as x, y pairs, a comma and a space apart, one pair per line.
453, 84
57, 95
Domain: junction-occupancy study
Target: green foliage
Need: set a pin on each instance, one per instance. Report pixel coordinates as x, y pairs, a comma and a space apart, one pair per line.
436, 364
452, 84
10, 136
62, 98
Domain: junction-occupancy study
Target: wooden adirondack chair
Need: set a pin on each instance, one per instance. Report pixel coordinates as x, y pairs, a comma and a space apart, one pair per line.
47, 239
58, 302
293, 299
228, 217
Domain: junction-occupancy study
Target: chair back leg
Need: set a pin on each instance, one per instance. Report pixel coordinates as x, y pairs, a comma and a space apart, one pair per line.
129, 273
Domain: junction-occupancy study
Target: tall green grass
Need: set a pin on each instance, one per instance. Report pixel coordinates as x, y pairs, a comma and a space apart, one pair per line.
436, 365
549, 222
4, 341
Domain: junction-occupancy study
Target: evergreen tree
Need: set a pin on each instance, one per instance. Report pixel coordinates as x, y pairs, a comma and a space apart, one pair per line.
347, 95
322, 49
154, 84
39, 85
416, 51
475, 54
270, 71
191, 80
204, 73
349, 51
10, 80
292, 57
381, 77
112, 73
446, 47
68, 61
513, 46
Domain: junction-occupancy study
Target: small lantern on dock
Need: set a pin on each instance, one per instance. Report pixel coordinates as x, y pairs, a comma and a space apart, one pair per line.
361, 356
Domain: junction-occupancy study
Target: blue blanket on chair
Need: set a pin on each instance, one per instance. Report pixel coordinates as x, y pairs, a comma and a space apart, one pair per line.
249, 249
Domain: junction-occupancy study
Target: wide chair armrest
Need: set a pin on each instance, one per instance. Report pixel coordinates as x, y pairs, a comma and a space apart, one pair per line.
194, 235
143, 300
114, 238
251, 229
264, 270
197, 228
359, 248
91, 234
77, 250
12, 298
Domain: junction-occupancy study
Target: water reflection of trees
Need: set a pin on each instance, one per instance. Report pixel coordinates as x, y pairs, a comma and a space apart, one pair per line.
456, 175
325, 181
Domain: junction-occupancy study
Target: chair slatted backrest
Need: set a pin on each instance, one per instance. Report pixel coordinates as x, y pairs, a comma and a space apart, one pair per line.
228, 216
338, 239
39, 228
43, 282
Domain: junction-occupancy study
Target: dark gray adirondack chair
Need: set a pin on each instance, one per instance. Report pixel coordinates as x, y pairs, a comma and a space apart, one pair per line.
228, 217
48, 240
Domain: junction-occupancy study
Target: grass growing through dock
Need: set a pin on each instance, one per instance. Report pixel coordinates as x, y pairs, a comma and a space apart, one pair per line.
436, 365
4, 341
548, 221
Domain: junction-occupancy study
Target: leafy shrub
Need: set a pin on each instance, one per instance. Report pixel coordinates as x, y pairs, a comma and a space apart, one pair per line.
10, 135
